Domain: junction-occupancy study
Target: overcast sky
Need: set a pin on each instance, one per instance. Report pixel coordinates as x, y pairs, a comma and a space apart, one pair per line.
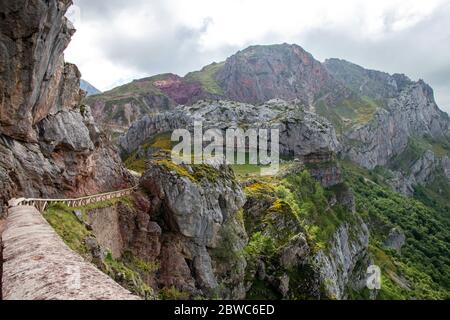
118, 41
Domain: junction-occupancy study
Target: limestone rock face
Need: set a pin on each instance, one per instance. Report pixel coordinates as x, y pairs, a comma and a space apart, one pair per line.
300, 269
50, 146
409, 109
376, 84
64, 131
295, 254
70, 159
195, 212
301, 132
338, 266
420, 172
32, 39
324, 168
446, 166
139, 233
261, 73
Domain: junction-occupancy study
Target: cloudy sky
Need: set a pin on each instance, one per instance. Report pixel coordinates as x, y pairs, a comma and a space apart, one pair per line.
118, 41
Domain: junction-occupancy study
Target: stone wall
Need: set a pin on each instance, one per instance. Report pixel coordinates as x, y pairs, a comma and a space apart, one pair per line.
40, 266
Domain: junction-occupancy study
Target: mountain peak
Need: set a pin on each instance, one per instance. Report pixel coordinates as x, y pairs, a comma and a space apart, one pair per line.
263, 72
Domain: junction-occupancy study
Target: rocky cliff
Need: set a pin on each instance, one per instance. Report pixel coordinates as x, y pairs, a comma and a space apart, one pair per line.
196, 231
261, 73
405, 109
118, 108
307, 240
374, 114
254, 75
301, 132
198, 208
49, 142
407, 132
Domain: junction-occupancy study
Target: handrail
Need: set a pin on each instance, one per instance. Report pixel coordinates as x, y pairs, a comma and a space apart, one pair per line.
42, 204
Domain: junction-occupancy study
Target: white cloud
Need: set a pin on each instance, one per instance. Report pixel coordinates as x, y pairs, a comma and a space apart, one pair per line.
117, 41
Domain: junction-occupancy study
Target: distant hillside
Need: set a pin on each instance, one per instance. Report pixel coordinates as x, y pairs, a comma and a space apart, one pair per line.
89, 88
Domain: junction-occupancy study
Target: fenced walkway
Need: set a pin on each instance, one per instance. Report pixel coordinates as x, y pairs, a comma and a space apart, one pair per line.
38, 265
42, 204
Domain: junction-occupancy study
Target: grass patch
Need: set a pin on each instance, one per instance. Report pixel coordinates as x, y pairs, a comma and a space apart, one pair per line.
127, 271
172, 293
68, 227
206, 77
137, 165
160, 142
129, 274
349, 112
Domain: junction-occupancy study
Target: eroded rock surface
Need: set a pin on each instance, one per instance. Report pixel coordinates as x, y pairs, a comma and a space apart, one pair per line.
198, 209
338, 266
49, 144
261, 73
301, 132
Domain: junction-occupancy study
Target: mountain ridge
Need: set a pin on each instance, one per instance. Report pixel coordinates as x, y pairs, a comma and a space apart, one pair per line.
89, 88
352, 140
253, 75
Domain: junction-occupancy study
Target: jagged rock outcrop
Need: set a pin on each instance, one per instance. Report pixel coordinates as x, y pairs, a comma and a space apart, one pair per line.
372, 83
324, 168
290, 264
197, 209
33, 36
406, 109
301, 132
446, 166
338, 266
261, 73
408, 113
49, 144
254, 75
420, 172
393, 111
